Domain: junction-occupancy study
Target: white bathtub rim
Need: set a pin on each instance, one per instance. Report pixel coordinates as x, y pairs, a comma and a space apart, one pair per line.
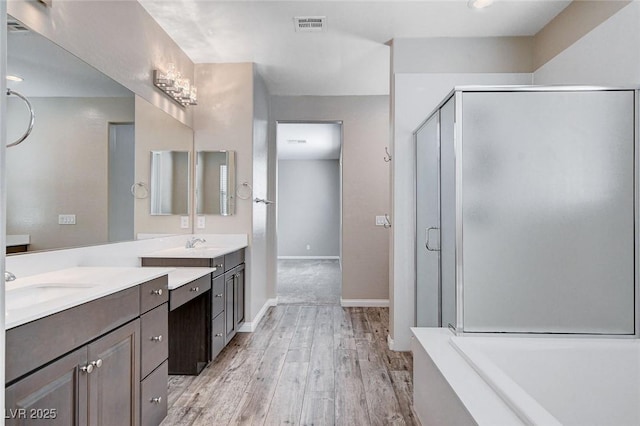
480, 401
518, 400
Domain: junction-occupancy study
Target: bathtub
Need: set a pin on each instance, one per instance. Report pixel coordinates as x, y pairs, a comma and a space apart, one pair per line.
525, 380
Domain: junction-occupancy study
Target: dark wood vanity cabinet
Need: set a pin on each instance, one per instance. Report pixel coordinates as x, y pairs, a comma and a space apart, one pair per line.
90, 364
96, 384
200, 327
234, 301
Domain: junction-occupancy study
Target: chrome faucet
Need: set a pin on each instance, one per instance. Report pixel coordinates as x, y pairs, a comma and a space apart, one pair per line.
8, 276
192, 242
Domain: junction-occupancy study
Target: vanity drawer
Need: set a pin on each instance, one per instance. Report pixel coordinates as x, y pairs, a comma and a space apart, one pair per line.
217, 335
183, 294
153, 396
154, 333
154, 293
218, 264
217, 296
234, 259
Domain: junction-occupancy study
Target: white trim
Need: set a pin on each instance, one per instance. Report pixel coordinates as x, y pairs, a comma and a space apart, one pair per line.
250, 326
390, 342
307, 257
364, 303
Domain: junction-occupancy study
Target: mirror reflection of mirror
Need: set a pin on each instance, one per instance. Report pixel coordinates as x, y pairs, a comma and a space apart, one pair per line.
169, 183
215, 182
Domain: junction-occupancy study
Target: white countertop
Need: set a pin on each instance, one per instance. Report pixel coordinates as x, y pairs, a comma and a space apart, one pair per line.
18, 240
181, 276
200, 251
37, 296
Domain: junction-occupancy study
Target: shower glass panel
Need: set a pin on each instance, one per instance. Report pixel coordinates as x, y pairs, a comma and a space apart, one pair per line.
547, 211
428, 224
448, 214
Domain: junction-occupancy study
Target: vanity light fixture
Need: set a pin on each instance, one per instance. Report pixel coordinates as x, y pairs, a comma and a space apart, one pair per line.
479, 4
175, 87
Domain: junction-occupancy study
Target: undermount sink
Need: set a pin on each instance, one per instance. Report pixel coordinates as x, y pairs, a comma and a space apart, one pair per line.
21, 297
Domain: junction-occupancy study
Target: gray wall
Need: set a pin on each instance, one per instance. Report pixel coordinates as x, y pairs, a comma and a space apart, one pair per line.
309, 208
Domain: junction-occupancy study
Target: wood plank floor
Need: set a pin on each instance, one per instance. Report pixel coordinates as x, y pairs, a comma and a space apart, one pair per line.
304, 365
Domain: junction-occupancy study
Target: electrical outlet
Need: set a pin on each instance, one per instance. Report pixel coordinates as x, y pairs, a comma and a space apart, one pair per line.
308, 246
381, 220
184, 222
66, 219
201, 222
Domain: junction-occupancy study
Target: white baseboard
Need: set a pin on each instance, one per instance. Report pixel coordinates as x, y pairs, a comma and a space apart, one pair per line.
308, 257
250, 326
390, 342
364, 303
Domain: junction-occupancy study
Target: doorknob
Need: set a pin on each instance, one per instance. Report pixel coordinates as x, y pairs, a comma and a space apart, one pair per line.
428, 237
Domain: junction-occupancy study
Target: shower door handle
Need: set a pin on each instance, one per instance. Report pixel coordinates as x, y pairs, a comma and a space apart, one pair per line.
428, 238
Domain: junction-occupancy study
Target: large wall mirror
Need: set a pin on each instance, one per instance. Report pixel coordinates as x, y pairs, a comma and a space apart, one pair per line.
215, 182
69, 184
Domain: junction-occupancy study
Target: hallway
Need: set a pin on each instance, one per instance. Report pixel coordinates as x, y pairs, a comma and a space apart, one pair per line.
305, 365
309, 282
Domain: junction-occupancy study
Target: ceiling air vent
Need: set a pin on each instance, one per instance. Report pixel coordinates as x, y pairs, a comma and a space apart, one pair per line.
296, 141
15, 26
310, 24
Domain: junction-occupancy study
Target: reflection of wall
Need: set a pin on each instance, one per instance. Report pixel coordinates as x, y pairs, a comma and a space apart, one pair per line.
157, 131
309, 208
209, 176
61, 169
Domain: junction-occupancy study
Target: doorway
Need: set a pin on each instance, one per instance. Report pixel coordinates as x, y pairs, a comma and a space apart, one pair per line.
121, 177
309, 212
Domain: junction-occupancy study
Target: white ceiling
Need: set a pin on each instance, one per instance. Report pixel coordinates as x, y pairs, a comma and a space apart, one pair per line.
309, 141
351, 57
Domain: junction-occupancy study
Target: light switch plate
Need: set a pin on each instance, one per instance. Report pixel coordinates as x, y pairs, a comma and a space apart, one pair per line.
66, 219
184, 222
380, 220
202, 223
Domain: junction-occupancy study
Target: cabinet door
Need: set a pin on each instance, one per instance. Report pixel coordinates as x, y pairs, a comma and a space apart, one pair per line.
53, 395
114, 382
229, 295
239, 296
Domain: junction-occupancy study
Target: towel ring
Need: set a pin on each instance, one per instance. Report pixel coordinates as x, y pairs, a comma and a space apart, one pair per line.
32, 119
145, 190
244, 191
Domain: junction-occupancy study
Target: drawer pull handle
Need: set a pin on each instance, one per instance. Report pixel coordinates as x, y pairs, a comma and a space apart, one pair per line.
157, 292
156, 400
219, 295
97, 363
218, 334
156, 338
195, 288
87, 368
219, 266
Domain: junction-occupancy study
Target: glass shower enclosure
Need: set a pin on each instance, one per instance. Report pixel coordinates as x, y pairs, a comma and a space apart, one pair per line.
526, 211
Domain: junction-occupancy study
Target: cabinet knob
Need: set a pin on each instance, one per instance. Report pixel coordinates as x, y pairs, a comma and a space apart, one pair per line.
97, 363
219, 295
218, 334
157, 292
156, 400
219, 266
195, 288
156, 338
87, 368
